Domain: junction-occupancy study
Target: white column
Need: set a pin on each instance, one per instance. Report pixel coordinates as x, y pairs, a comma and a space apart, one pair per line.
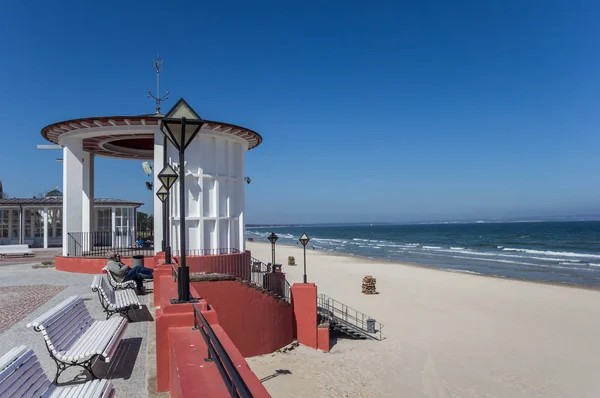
87, 193
45, 227
241, 202
73, 159
157, 204
113, 224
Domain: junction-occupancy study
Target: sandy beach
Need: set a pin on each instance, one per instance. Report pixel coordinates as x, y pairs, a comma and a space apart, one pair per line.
446, 335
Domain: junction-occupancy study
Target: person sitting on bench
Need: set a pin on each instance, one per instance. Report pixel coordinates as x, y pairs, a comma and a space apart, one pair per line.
123, 272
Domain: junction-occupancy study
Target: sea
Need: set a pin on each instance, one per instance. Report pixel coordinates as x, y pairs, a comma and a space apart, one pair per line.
557, 252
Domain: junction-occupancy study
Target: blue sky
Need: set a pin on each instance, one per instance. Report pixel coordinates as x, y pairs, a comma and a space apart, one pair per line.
370, 111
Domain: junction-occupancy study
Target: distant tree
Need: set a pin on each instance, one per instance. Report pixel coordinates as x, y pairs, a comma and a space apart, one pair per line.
145, 222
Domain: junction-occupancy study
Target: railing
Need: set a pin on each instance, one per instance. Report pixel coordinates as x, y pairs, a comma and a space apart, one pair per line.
217, 354
244, 267
336, 311
205, 252
98, 243
262, 275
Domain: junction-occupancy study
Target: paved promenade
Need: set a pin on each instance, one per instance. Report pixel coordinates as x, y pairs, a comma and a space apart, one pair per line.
26, 293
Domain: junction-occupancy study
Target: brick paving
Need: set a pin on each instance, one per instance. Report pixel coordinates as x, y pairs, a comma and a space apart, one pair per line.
43, 288
16, 302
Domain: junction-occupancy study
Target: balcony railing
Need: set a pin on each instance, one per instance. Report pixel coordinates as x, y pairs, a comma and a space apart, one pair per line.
216, 353
240, 265
98, 243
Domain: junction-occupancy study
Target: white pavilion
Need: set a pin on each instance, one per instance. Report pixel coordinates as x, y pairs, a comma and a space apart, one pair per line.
213, 172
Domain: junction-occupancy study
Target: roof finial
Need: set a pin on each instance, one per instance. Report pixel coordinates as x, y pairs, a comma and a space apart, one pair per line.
158, 98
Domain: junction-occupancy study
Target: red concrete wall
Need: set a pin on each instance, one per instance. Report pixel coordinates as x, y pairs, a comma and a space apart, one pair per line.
304, 303
256, 322
91, 265
180, 350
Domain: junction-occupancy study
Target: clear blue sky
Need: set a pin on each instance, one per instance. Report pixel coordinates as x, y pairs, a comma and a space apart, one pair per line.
369, 111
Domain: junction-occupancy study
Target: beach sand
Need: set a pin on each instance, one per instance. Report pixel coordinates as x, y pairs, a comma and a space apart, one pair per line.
446, 335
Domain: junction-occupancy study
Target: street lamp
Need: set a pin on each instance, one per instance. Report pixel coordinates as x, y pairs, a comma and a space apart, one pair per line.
162, 195
304, 240
180, 126
273, 238
167, 177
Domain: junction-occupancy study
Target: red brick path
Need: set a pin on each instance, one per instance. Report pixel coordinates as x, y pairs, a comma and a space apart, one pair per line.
16, 302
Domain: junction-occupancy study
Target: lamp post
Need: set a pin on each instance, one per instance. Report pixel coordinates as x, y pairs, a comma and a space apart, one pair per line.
162, 194
304, 240
167, 177
273, 238
180, 126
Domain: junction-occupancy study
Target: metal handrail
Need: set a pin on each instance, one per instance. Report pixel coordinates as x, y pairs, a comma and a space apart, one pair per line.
98, 243
335, 310
258, 274
217, 354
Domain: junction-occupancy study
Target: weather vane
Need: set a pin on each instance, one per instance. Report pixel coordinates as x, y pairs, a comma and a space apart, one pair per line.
158, 98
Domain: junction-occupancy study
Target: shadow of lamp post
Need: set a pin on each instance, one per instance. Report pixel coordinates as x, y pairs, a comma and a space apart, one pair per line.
304, 240
180, 126
273, 238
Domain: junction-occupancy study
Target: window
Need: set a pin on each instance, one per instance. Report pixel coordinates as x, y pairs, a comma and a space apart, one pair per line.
123, 221
4, 223
104, 222
16, 223
38, 223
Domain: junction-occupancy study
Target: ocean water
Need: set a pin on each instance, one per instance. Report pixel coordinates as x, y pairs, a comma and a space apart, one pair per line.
564, 252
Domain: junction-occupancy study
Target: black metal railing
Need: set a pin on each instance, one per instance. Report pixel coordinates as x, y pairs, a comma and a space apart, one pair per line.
98, 243
205, 252
264, 276
244, 267
217, 354
336, 311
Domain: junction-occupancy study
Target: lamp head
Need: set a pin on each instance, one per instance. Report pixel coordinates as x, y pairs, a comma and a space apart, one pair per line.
167, 176
304, 239
273, 238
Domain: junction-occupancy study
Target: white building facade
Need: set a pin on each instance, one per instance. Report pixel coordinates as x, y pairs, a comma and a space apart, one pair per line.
38, 222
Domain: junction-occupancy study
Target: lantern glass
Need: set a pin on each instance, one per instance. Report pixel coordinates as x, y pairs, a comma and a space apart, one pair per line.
162, 193
304, 239
167, 176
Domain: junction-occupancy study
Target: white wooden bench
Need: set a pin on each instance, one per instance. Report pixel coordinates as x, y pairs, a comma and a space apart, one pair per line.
118, 285
74, 338
22, 376
115, 301
15, 250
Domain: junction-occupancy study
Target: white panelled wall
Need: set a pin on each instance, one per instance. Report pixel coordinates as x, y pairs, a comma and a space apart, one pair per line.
214, 184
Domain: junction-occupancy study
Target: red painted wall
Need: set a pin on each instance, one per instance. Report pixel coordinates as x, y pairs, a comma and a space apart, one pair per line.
304, 302
255, 322
90, 265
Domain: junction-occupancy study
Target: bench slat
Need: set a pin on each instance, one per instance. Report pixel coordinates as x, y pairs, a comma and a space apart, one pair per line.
40, 319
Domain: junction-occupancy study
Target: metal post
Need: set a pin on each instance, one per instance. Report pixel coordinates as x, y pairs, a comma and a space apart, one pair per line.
184, 273
305, 264
163, 243
167, 230
273, 256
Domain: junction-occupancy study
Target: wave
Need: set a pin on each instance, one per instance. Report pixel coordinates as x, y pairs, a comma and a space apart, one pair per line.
551, 253
457, 248
431, 247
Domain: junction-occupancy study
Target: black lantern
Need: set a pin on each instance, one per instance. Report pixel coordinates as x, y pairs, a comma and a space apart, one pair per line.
304, 239
180, 125
273, 238
167, 176
162, 193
